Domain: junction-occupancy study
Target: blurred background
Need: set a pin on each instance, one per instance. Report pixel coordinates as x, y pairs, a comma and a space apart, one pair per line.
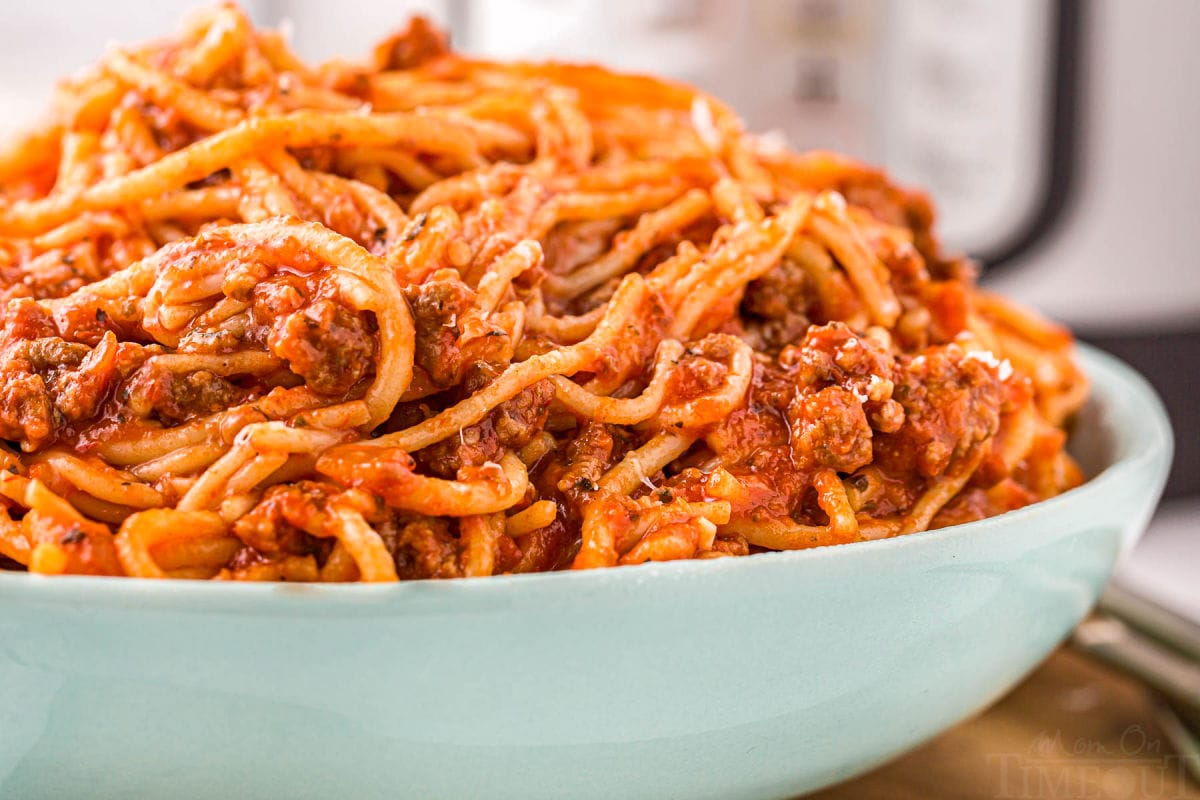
1058, 138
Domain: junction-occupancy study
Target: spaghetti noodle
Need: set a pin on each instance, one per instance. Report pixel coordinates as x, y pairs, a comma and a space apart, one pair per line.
429, 316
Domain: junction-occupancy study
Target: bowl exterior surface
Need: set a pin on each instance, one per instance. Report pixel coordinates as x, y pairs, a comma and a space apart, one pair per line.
747, 678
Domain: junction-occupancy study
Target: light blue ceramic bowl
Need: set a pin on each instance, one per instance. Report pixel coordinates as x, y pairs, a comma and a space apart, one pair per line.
760, 677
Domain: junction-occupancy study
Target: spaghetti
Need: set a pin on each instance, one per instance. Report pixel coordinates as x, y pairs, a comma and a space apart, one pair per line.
428, 316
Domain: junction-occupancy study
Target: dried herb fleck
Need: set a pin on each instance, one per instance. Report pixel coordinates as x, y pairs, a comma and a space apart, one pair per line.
73, 536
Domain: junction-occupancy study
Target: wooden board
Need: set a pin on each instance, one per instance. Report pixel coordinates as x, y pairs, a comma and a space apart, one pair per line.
1074, 729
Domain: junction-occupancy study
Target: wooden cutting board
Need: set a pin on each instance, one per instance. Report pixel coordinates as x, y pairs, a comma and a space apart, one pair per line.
1073, 729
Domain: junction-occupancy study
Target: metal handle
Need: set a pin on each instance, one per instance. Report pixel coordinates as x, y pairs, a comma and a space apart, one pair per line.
1177, 632
1114, 642
1162, 650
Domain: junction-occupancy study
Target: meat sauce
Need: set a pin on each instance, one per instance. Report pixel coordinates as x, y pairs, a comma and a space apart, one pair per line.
66, 378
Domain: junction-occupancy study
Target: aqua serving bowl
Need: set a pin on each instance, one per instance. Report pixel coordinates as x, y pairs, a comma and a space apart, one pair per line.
760, 677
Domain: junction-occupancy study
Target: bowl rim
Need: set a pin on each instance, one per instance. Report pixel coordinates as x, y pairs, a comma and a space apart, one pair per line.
1120, 388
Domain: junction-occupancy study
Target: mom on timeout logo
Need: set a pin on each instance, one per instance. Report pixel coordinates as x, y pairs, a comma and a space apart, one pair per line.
1139, 766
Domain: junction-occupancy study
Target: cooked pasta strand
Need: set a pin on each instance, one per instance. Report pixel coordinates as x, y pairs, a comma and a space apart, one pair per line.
425, 316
